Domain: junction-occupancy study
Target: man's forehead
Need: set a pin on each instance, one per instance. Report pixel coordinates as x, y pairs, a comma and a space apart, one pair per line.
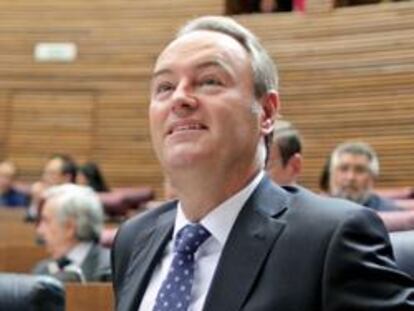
55, 163
353, 158
49, 208
197, 42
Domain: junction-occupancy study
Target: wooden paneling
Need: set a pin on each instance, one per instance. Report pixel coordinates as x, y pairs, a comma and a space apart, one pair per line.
20, 258
15, 214
345, 74
48, 122
3, 123
87, 297
17, 233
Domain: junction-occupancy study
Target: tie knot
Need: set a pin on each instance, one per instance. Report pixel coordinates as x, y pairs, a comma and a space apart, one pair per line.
62, 262
190, 237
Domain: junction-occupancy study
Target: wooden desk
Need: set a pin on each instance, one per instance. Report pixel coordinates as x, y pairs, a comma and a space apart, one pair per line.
87, 297
15, 214
17, 233
20, 258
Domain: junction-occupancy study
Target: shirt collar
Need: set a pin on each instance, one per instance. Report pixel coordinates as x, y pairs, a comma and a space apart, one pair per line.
221, 219
78, 253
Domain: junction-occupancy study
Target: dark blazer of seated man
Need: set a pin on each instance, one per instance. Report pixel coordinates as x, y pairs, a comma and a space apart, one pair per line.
70, 226
234, 240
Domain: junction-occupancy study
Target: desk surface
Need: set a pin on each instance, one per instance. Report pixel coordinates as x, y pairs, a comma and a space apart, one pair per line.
12, 214
90, 296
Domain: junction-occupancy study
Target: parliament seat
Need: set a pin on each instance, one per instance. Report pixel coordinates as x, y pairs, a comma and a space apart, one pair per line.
87, 297
20, 292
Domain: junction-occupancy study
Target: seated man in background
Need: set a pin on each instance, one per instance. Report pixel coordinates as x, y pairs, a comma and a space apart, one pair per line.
354, 166
70, 225
58, 170
9, 195
285, 159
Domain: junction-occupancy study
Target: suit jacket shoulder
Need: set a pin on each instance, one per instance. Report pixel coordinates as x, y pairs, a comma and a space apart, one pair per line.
95, 268
97, 265
134, 235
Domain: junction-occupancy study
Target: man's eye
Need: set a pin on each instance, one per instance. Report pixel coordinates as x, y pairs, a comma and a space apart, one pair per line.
163, 87
211, 82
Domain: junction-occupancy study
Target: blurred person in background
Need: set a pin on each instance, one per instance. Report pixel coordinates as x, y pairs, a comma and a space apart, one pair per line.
89, 174
354, 167
58, 170
285, 159
10, 196
70, 225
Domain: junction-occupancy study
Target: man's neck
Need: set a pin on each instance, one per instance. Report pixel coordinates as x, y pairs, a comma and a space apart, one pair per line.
200, 194
65, 249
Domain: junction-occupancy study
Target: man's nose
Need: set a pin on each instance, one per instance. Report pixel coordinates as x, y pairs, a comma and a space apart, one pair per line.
350, 174
184, 100
39, 228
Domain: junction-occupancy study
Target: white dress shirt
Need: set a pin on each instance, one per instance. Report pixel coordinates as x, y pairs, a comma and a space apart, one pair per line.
78, 253
77, 256
219, 223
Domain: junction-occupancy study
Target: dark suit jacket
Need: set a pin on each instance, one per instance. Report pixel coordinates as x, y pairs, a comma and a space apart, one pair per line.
380, 204
96, 266
289, 250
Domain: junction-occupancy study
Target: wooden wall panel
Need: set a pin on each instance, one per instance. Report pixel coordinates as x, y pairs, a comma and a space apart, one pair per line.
344, 74
43, 123
3, 123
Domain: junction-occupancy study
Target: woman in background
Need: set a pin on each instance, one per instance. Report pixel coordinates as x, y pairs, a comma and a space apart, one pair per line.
89, 174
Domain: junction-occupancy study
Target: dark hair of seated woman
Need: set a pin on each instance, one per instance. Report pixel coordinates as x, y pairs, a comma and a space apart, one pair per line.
89, 174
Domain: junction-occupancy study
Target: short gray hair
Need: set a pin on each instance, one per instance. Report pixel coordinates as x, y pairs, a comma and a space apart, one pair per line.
264, 70
356, 148
81, 204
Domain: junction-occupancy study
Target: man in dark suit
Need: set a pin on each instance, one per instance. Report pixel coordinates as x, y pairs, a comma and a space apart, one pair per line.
234, 240
70, 226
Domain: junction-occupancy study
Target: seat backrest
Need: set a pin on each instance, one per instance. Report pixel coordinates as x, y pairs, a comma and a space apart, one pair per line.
403, 245
30, 293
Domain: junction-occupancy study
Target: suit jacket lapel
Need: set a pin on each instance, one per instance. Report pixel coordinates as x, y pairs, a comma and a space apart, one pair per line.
251, 239
148, 250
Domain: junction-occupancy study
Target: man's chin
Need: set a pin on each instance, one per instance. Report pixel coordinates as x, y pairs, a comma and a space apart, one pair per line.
182, 160
351, 196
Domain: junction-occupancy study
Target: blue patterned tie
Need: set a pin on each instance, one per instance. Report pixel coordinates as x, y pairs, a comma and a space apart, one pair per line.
175, 291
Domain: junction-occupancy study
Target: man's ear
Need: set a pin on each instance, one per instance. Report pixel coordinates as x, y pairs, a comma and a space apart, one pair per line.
297, 162
270, 106
70, 225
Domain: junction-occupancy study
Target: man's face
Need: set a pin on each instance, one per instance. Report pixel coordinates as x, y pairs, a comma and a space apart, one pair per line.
202, 101
351, 178
58, 237
53, 173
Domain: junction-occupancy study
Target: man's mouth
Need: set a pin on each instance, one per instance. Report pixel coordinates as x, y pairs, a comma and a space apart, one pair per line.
188, 126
